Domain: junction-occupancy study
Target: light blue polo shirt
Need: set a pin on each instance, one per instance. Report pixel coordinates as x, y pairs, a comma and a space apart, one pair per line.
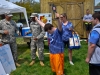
94, 37
87, 17
67, 33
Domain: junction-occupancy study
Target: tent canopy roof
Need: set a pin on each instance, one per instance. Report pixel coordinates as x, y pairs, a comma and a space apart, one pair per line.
13, 8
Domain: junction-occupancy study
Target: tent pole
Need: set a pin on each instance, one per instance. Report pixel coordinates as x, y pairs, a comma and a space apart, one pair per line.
20, 16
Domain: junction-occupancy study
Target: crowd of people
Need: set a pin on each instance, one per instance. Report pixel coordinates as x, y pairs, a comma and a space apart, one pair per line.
59, 39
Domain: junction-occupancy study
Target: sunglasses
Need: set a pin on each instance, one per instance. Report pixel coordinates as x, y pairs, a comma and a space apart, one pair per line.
61, 17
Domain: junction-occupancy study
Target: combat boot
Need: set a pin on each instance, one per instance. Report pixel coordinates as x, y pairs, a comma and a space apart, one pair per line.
41, 63
32, 63
17, 64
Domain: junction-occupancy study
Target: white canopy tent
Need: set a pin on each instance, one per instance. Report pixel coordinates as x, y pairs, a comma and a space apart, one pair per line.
13, 8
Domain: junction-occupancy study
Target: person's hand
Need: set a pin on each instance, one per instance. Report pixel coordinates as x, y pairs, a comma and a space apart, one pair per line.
6, 32
17, 32
35, 39
36, 18
26, 33
88, 21
71, 29
57, 15
87, 60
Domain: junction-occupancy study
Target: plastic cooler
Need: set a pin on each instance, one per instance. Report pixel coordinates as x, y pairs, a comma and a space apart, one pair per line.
24, 30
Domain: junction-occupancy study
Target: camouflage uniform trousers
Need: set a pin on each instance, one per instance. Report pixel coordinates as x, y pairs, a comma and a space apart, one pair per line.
13, 47
37, 45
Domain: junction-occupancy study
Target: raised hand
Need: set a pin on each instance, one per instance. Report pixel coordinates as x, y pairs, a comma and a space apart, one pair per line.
26, 33
35, 39
57, 15
36, 18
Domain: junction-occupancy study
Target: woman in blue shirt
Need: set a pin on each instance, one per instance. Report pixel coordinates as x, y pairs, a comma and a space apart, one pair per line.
67, 33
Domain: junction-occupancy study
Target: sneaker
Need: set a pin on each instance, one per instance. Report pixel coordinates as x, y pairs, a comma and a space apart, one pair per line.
41, 63
71, 62
18, 65
32, 63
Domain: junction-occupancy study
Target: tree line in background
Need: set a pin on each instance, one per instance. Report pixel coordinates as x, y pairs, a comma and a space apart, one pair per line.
98, 4
30, 5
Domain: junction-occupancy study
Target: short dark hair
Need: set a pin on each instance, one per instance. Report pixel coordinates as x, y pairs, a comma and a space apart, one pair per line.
96, 15
64, 15
48, 26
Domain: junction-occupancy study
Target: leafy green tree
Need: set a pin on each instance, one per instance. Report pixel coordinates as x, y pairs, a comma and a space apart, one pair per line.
36, 7
27, 5
30, 1
30, 5
98, 4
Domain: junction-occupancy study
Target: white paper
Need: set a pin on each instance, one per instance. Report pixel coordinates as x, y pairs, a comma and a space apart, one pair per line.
2, 71
6, 59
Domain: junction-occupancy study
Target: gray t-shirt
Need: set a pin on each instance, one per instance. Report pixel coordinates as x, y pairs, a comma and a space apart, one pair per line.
87, 17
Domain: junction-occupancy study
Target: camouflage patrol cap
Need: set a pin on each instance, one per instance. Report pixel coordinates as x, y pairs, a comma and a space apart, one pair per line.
8, 14
34, 15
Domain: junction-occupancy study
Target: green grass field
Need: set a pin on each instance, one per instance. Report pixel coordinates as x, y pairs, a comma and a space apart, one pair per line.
24, 58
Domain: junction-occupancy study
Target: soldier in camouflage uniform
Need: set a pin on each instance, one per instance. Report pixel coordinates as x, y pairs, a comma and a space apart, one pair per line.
7, 30
36, 40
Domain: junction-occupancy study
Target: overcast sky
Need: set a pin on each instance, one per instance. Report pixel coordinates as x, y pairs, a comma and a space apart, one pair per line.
97, 1
19, 0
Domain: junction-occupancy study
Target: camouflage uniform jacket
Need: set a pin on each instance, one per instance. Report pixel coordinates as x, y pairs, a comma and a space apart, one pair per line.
11, 27
37, 31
